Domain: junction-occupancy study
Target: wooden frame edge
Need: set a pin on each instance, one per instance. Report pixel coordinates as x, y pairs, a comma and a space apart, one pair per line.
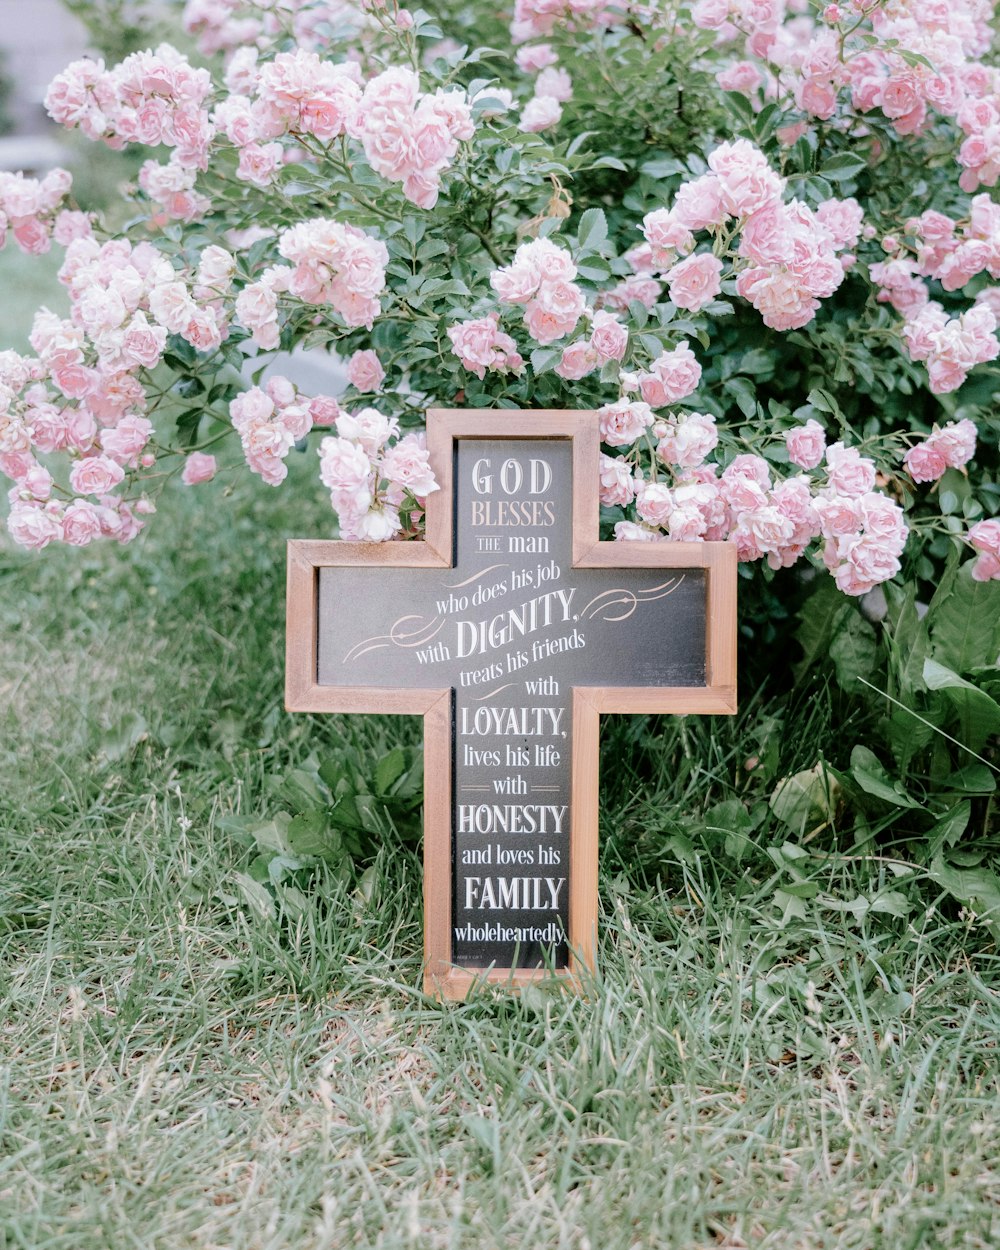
438, 838
584, 844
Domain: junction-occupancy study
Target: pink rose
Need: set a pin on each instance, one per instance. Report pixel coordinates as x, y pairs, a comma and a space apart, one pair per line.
667, 237
849, 472
406, 465
364, 371
675, 375
686, 444
324, 410
577, 361
622, 423
985, 537
554, 311
346, 469
369, 427
126, 440
925, 462
746, 181
32, 235
536, 56
986, 567
143, 343
957, 442
541, 112
198, 468
628, 531
608, 337
781, 298
695, 282
95, 475
838, 515
698, 204
806, 444
653, 503
31, 526
81, 523
617, 487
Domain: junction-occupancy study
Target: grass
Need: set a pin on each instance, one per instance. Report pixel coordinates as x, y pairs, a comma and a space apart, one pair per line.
178, 1069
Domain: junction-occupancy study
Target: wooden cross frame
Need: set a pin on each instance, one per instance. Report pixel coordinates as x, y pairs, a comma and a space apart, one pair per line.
510, 628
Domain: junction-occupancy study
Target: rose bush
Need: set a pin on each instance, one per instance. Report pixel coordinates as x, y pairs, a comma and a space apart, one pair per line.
757, 237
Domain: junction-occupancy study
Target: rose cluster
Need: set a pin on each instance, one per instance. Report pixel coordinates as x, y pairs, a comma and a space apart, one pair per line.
940, 248
29, 210
371, 472
270, 421
689, 499
540, 279
331, 264
83, 395
951, 447
787, 259
909, 62
482, 346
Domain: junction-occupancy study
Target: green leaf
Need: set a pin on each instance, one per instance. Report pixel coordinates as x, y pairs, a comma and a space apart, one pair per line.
978, 888
740, 107
742, 390
823, 401
973, 779
610, 162
819, 616
594, 269
846, 165
964, 621
806, 798
854, 650
732, 818
545, 358
873, 779
309, 834
592, 231
389, 769
663, 167
256, 896
949, 828
978, 713
909, 643
892, 903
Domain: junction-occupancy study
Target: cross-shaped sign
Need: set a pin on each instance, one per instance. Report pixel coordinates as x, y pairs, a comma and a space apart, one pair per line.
510, 628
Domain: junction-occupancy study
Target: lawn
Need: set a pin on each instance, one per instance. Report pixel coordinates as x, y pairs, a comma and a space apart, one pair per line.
191, 1059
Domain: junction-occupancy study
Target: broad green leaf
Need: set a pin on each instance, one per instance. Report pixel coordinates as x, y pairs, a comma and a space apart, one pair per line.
389, 769
909, 642
819, 617
978, 888
853, 650
846, 165
978, 713
732, 818
256, 896
593, 230
964, 621
806, 798
949, 828
545, 358
892, 903
309, 834
873, 779
973, 779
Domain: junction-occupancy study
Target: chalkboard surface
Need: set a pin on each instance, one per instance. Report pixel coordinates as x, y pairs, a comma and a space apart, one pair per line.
512, 629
